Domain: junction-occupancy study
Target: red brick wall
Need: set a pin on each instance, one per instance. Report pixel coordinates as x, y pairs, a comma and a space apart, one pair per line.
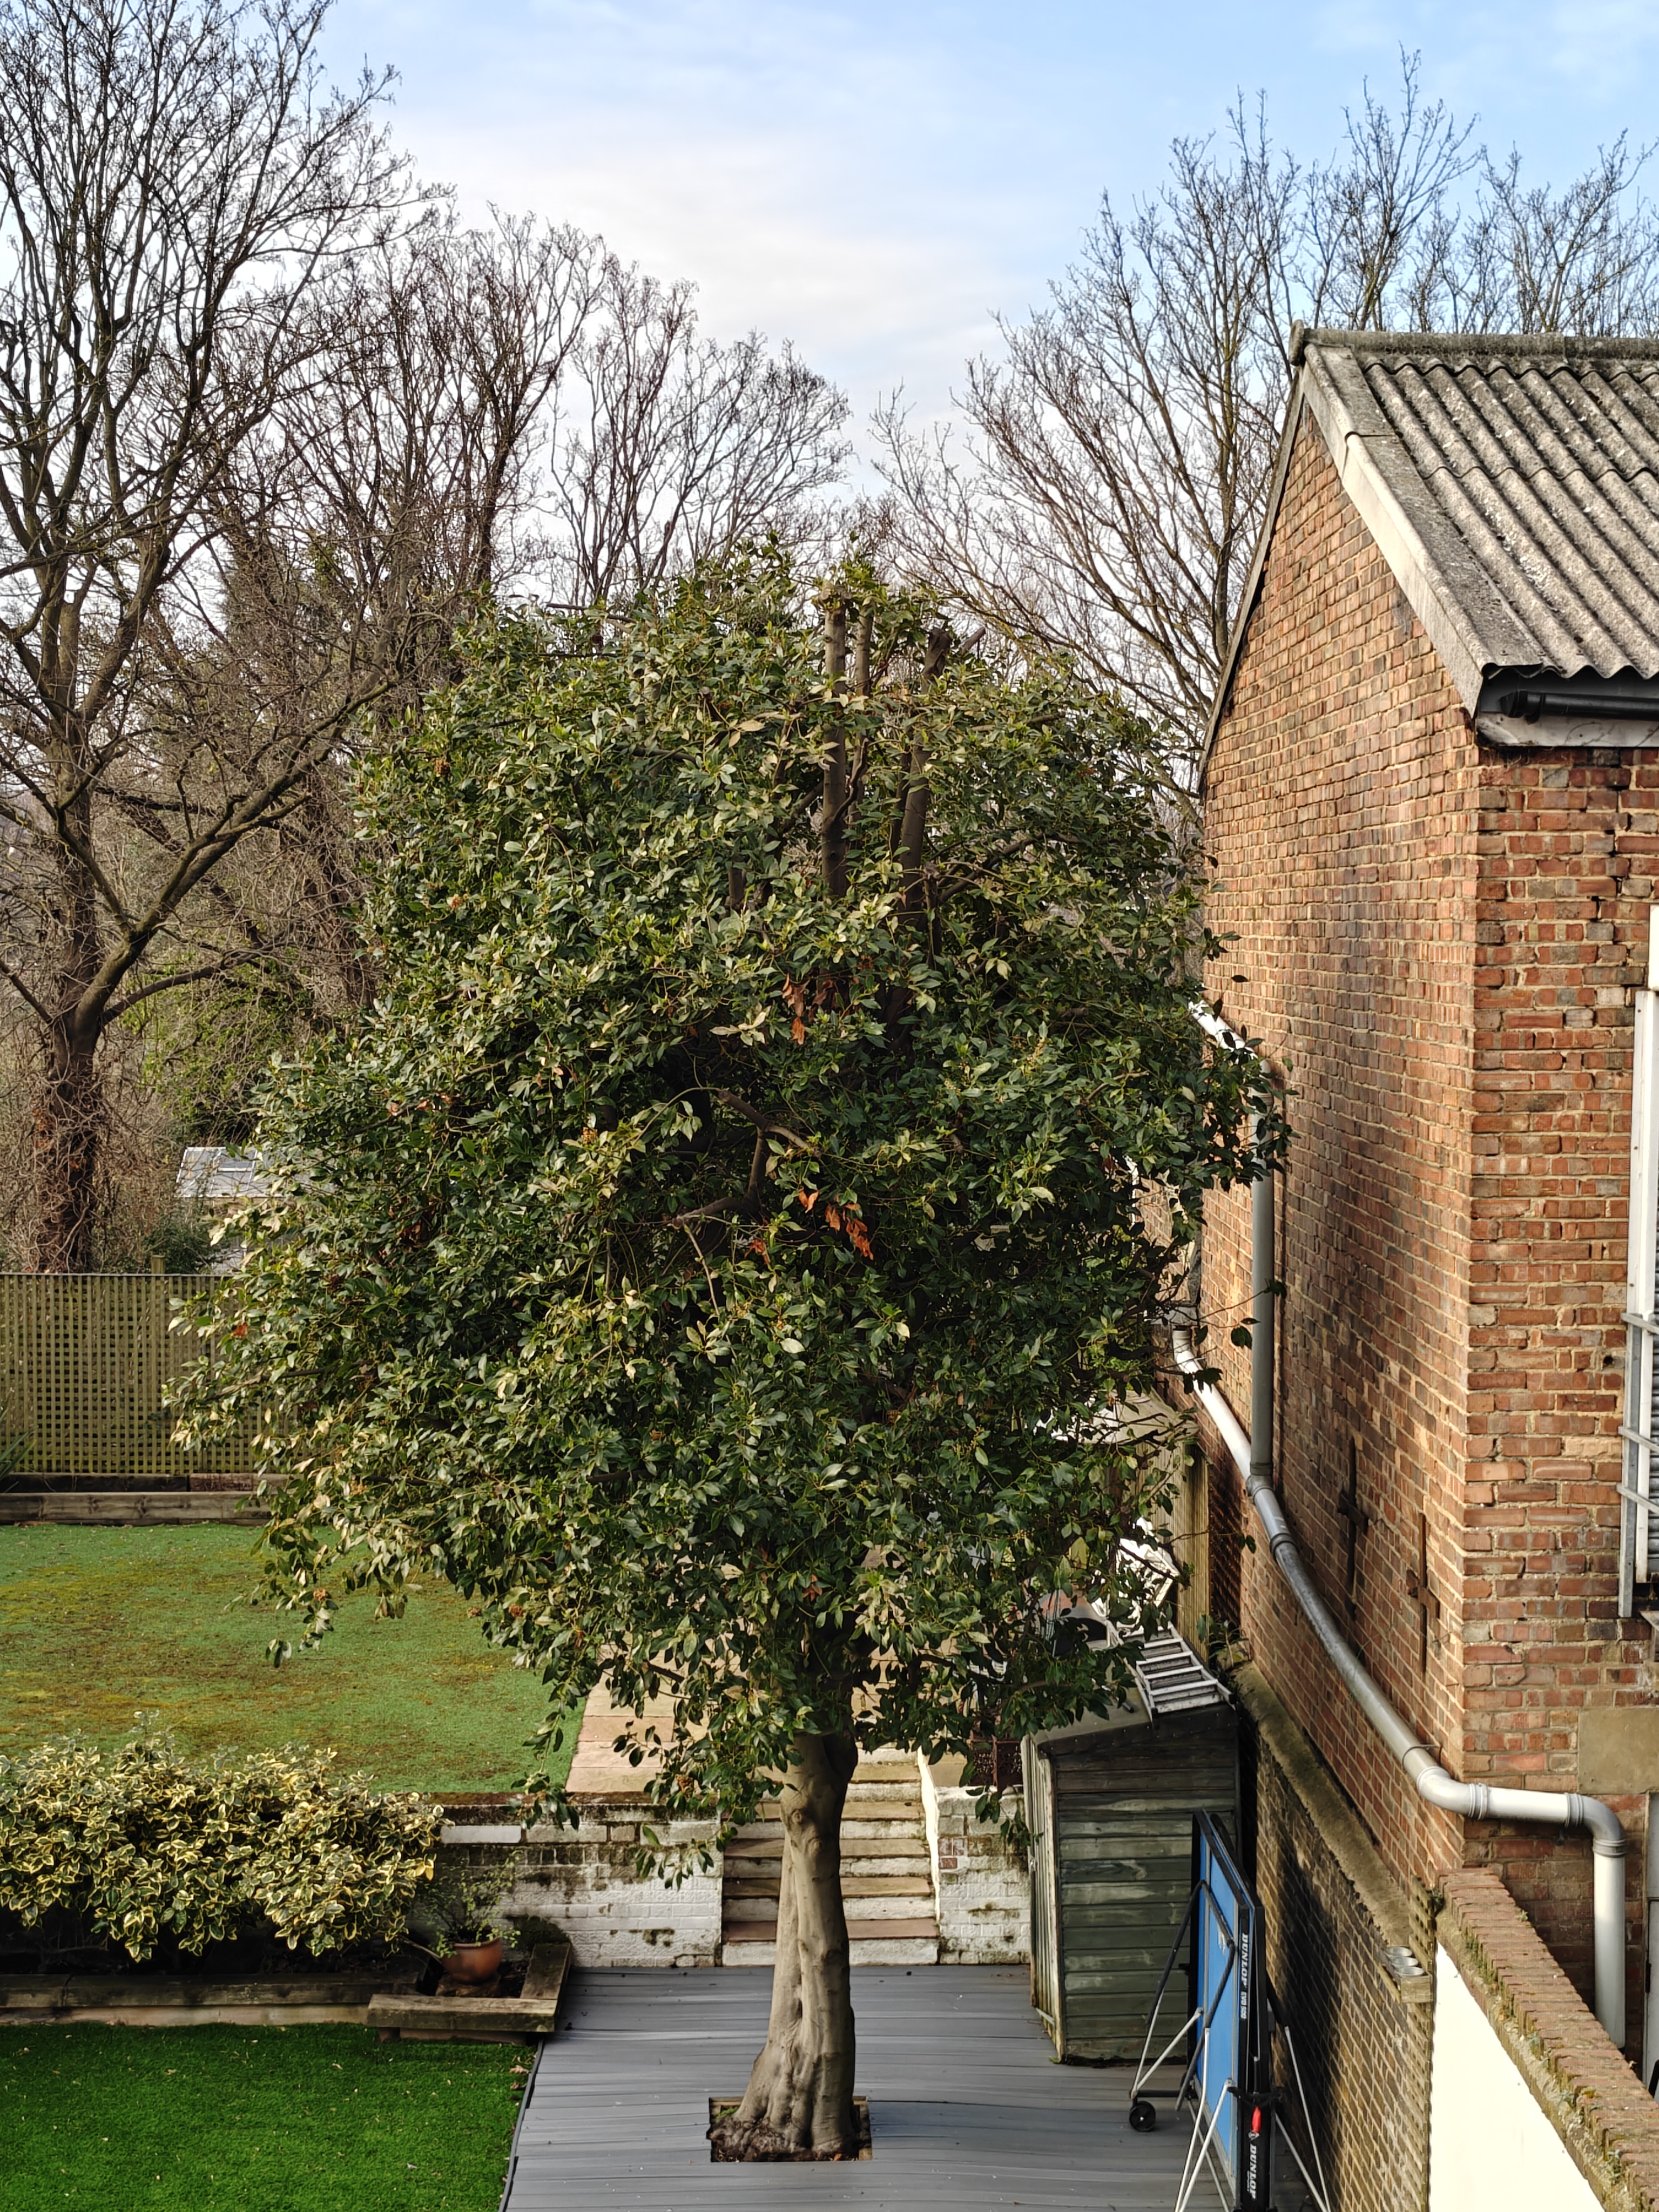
1435, 939
1560, 924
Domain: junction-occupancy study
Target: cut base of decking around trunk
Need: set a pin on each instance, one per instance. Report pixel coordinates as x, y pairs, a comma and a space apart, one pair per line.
758, 2148
799, 2104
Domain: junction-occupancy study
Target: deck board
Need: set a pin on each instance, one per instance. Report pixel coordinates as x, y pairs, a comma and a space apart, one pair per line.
968, 2108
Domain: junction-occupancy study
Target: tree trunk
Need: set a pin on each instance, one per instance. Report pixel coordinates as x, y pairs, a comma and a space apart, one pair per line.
69, 1106
833, 824
799, 2104
69, 1126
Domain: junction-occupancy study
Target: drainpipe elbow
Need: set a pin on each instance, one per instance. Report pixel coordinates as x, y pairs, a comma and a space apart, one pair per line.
1607, 1831
1470, 1801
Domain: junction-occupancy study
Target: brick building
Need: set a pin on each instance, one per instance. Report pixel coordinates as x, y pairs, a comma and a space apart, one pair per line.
1432, 795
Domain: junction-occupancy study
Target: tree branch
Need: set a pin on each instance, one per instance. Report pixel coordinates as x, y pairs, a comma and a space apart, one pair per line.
759, 1122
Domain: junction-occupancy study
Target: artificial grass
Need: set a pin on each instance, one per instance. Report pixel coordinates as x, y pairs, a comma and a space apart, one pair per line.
253, 2119
97, 1624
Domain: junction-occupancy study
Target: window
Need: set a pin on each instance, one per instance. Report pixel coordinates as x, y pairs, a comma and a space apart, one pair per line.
1638, 1492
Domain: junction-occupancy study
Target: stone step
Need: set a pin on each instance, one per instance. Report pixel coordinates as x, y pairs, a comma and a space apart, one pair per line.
865, 1904
859, 1926
893, 1843
859, 1869
885, 1875
886, 1811
892, 1943
900, 1779
900, 1872
768, 1851
879, 1806
878, 1885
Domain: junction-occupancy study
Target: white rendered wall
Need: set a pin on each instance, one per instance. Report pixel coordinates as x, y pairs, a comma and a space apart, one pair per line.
1490, 2149
583, 1885
981, 1890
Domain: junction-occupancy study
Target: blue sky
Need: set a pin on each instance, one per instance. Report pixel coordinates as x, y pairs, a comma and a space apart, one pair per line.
874, 180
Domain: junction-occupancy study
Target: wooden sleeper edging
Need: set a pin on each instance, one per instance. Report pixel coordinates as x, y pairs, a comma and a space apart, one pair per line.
133, 2001
449, 2018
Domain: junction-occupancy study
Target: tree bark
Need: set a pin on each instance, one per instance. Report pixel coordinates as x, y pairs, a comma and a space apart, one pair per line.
909, 833
912, 819
69, 1107
799, 2104
833, 820
68, 1126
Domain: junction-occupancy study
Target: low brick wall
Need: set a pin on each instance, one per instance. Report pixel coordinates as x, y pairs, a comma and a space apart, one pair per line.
1608, 2126
582, 1884
981, 1887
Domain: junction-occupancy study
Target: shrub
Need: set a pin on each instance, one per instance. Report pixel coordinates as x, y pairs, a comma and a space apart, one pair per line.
142, 1846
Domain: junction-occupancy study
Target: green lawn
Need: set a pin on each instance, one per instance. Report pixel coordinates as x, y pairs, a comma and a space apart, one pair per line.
253, 2119
98, 1624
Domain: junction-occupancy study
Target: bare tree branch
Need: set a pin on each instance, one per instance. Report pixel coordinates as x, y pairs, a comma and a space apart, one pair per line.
1106, 499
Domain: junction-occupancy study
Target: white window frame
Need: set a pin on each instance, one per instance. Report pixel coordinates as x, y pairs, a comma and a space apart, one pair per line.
1638, 1492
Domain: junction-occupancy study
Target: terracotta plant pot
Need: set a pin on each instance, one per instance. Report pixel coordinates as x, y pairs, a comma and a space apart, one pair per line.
473, 1962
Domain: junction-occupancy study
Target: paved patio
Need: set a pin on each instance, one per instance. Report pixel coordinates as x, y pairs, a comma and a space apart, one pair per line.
968, 2108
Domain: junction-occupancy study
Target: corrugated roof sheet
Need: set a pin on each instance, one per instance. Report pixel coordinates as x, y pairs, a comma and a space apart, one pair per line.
210, 1175
1541, 458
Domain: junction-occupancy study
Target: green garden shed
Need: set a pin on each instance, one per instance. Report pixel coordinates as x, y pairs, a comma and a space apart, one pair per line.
1109, 1802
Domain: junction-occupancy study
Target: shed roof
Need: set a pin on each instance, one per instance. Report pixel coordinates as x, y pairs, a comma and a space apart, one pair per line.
1510, 482
211, 1174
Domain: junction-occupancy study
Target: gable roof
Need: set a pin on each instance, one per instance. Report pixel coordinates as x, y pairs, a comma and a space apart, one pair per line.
1511, 484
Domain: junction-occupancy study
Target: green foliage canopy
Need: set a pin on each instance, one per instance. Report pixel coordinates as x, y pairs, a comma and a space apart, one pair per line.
719, 1253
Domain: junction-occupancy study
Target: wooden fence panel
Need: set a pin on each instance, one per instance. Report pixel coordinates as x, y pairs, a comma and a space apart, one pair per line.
84, 1360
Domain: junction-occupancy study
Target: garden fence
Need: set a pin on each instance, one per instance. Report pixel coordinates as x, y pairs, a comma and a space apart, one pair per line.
86, 1361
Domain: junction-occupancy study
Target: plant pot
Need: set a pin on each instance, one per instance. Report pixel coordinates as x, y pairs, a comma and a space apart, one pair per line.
473, 1962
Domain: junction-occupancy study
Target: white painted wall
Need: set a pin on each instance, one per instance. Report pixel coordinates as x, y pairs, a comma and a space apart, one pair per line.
1490, 2149
982, 1891
583, 1885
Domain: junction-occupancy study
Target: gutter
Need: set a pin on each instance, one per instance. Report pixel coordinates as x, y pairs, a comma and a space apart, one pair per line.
1253, 1456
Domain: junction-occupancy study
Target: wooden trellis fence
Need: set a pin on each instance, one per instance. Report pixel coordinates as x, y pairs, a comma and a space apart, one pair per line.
84, 1360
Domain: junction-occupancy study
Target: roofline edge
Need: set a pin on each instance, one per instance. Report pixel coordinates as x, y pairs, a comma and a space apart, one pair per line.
1387, 522
1396, 536
1253, 580
1549, 345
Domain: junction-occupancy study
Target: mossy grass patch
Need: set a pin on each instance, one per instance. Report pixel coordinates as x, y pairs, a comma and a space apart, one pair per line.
98, 1624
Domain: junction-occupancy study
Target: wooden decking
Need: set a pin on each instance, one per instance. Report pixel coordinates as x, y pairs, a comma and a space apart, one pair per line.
967, 2109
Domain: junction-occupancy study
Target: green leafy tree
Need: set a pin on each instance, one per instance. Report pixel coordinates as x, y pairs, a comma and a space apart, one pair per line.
720, 1249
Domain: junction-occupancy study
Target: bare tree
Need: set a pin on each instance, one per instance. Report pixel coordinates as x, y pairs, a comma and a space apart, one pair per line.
673, 449
1107, 496
385, 494
270, 427
1585, 259
493, 411
173, 180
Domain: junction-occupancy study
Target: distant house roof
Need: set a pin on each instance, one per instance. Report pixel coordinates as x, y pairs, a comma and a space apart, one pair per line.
210, 1176
1512, 485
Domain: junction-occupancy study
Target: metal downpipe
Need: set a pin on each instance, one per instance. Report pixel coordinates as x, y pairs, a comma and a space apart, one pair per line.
1473, 1801
1253, 1456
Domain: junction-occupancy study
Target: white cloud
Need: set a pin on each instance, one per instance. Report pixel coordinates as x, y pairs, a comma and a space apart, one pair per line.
874, 178
867, 189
